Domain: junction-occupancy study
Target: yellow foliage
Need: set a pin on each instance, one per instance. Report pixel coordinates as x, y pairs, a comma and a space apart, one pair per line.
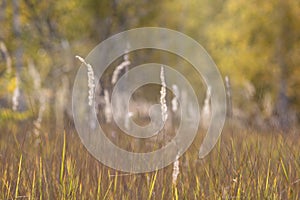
9, 115
12, 84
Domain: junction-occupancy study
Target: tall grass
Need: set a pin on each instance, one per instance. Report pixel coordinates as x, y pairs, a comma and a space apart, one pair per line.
244, 165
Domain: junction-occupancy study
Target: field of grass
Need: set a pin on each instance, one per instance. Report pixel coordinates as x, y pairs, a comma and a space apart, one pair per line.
245, 164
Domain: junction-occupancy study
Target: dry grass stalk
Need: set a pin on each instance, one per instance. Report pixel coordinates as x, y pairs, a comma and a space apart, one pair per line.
107, 110
206, 110
175, 170
163, 93
91, 80
119, 68
174, 100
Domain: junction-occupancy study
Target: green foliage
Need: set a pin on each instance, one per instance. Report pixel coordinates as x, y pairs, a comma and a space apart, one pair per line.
7, 115
245, 41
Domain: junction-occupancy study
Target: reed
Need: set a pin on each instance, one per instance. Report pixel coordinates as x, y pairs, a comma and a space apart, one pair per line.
91, 80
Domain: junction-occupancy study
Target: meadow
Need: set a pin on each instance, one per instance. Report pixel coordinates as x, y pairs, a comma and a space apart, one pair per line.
245, 164
254, 44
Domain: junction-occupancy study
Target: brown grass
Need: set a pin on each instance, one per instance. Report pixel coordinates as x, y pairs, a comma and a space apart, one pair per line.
244, 165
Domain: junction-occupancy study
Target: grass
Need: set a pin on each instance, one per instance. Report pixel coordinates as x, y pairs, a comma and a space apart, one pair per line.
244, 165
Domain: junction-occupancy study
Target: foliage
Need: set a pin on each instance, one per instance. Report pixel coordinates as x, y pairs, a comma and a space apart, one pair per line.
256, 41
242, 36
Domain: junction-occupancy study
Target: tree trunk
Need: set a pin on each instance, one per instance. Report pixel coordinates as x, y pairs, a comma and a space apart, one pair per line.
282, 46
18, 98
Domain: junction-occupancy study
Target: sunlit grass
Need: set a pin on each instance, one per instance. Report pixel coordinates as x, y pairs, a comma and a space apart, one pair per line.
243, 165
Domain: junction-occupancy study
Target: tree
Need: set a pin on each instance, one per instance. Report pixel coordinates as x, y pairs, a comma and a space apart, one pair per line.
253, 41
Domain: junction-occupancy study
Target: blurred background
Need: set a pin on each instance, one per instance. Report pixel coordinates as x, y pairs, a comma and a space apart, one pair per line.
256, 44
